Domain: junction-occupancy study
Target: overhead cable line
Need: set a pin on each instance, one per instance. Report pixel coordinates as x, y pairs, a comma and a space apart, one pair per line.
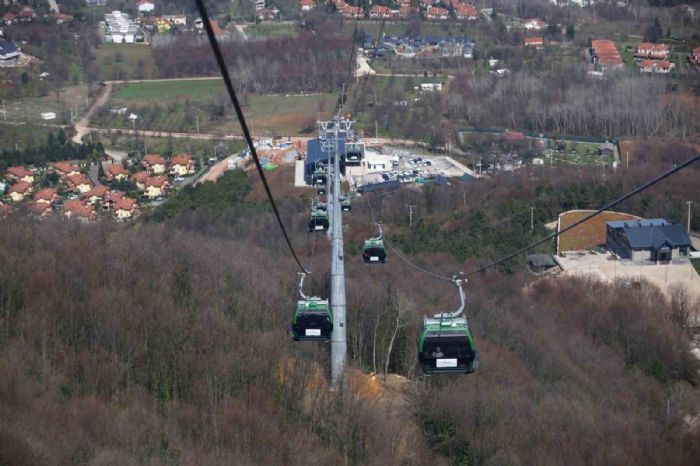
417, 267
371, 62
244, 126
648, 184
344, 89
610, 205
398, 253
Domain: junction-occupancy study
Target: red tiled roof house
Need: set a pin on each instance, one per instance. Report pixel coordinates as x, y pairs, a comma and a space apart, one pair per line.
182, 165
20, 174
154, 164
116, 172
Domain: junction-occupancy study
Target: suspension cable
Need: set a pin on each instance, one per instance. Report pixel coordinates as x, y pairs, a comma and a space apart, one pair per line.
396, 251
344, 89
371, 62
415, 266
244, 126
313, 247
610, 205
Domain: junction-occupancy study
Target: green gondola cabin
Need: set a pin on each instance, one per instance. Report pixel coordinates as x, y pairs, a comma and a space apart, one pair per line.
318, 221
446, 346
353, 156
319, 177
373, 251
312, 321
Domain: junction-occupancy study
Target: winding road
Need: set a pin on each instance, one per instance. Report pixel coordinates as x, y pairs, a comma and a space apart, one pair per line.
82, 127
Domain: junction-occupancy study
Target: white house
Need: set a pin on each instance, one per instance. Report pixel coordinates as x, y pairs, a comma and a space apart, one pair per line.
120, 29
431, 87
145, 6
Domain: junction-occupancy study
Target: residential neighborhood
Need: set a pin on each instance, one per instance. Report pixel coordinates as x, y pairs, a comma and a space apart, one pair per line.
74, 195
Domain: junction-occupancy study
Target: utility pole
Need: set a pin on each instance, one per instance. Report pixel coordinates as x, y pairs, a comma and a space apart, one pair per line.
628, 160
532, 218
197, 120
410, 215
4, 112
689, 204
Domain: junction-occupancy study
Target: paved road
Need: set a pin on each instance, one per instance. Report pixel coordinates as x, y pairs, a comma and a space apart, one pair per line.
93, 172
241, 30
363, 67
82, 127
53, 6
116, 155
165, 134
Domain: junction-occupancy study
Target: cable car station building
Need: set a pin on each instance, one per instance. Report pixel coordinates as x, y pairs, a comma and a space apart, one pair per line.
654, 240
351, 150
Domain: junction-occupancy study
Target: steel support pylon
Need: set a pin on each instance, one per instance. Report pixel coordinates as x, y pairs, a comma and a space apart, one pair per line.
330, 132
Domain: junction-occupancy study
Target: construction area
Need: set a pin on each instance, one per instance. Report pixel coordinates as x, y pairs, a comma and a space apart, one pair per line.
605, 266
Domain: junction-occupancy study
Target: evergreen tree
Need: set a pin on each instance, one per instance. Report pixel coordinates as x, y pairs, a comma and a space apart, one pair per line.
61, 137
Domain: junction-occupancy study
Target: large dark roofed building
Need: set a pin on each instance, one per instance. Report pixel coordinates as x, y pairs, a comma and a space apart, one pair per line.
654, 240
317, 155
9, 53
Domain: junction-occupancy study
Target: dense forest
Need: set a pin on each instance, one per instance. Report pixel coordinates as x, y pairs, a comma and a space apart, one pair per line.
165, 342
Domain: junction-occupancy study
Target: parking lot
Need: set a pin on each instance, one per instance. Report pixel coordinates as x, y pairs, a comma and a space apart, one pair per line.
411, 169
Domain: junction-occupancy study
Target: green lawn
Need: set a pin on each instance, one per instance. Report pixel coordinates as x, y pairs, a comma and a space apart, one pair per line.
29, 109
271, 30
163, 108
584, 155
169, 90
125, 61
696, 264
286, 115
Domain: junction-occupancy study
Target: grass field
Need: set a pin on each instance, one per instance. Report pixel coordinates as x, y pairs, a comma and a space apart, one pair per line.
30, 109
266, 114
581, 153
162, 91
271, 30
125, 61
286, 115
589, 234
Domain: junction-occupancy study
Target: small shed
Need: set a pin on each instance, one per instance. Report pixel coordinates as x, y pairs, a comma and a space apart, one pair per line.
540, 263
607, 149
